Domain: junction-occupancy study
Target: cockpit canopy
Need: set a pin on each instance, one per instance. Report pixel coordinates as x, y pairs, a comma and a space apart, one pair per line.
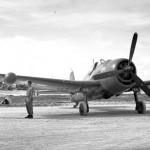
102, 61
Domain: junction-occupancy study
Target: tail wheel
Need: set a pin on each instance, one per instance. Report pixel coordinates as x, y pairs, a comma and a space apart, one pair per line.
83, 109
76, 104
141, 107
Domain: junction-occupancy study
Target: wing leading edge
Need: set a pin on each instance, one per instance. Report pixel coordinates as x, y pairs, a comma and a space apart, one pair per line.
63, 85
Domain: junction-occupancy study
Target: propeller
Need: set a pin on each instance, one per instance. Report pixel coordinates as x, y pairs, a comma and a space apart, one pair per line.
141, 84
132, 49
137, 80
127, 69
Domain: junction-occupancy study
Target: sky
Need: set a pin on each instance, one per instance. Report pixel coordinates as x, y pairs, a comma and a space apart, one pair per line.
48, 38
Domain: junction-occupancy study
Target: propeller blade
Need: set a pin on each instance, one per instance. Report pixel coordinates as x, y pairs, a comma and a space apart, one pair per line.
141, 84
107, 74
133, 44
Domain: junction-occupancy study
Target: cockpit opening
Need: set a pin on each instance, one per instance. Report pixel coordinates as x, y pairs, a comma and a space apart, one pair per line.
102, 61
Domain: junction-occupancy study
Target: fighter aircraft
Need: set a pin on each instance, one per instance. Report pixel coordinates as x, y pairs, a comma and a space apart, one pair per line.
106, 79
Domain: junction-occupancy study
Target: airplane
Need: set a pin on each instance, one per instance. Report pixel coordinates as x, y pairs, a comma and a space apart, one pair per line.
106, 79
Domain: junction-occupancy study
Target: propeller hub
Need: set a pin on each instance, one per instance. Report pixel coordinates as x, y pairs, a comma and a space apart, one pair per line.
125, 77
128, 69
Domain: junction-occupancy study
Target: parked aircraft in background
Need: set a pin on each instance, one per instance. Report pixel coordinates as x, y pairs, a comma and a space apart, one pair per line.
106, 79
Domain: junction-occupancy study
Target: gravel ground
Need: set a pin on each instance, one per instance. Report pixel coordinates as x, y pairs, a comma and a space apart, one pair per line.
53, 128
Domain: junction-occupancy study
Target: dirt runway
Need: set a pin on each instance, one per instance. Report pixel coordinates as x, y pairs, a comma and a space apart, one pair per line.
61, 128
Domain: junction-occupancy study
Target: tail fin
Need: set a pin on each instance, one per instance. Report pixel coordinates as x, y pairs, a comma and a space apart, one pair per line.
72, 77
72, 98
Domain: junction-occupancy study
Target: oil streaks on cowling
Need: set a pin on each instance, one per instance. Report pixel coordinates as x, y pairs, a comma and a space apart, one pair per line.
10, 78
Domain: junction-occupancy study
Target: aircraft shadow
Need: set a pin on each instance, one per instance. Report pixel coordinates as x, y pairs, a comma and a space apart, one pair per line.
95, 111
107, 111
116, 112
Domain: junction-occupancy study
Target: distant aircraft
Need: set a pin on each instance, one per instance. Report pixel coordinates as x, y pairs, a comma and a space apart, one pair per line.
106, 79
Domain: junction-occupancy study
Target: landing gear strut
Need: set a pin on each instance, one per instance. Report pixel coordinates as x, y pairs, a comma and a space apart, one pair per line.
75, 105
140, 105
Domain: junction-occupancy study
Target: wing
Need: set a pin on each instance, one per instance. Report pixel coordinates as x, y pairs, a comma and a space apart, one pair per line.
136, 86
146, 82
62, 85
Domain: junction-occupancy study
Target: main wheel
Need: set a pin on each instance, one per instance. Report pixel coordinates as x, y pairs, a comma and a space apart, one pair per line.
83, 109
141, 107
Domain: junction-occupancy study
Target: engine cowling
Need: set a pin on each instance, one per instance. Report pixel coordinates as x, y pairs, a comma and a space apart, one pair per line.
125, 77
121, 82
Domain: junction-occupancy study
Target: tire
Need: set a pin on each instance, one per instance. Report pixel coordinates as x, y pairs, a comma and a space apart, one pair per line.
87, 107
83, 109
141, 107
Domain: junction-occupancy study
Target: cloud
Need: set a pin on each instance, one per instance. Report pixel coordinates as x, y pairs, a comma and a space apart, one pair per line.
78, 32
26, 56
73, 18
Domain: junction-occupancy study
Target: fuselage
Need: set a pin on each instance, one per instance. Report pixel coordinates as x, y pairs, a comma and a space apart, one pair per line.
108, 86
